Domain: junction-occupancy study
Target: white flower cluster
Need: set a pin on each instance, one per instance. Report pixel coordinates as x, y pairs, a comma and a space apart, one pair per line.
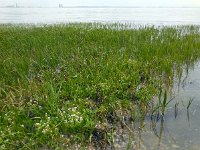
44, 125
74, 115
71, 115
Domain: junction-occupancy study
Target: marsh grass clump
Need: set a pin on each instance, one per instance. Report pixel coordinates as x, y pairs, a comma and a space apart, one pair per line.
67, 84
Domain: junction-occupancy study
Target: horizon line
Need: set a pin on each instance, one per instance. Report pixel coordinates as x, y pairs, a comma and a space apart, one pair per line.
18, 6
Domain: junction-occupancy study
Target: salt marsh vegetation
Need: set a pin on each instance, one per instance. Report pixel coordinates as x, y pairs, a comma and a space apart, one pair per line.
70, 84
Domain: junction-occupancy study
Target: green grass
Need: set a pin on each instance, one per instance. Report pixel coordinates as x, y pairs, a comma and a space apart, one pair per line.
67, 84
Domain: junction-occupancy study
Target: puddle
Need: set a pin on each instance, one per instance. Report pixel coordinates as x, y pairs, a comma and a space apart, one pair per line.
179, 129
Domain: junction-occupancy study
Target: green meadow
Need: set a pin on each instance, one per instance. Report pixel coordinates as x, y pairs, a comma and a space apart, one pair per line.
62, 85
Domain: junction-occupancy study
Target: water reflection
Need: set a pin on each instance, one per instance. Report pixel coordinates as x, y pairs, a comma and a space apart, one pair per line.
177, 129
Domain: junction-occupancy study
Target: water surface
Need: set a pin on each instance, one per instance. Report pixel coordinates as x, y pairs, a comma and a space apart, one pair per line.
152, 16
180, 127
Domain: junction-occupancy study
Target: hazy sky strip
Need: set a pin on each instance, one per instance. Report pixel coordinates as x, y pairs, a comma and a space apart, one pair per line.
133, 3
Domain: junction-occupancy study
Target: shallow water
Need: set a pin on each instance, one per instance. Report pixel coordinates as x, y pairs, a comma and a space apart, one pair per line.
152, 16
178, 130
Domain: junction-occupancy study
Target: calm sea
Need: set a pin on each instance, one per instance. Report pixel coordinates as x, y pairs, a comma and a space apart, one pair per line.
152, 16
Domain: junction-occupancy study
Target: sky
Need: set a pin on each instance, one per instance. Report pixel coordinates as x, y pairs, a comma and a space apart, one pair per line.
134, 3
